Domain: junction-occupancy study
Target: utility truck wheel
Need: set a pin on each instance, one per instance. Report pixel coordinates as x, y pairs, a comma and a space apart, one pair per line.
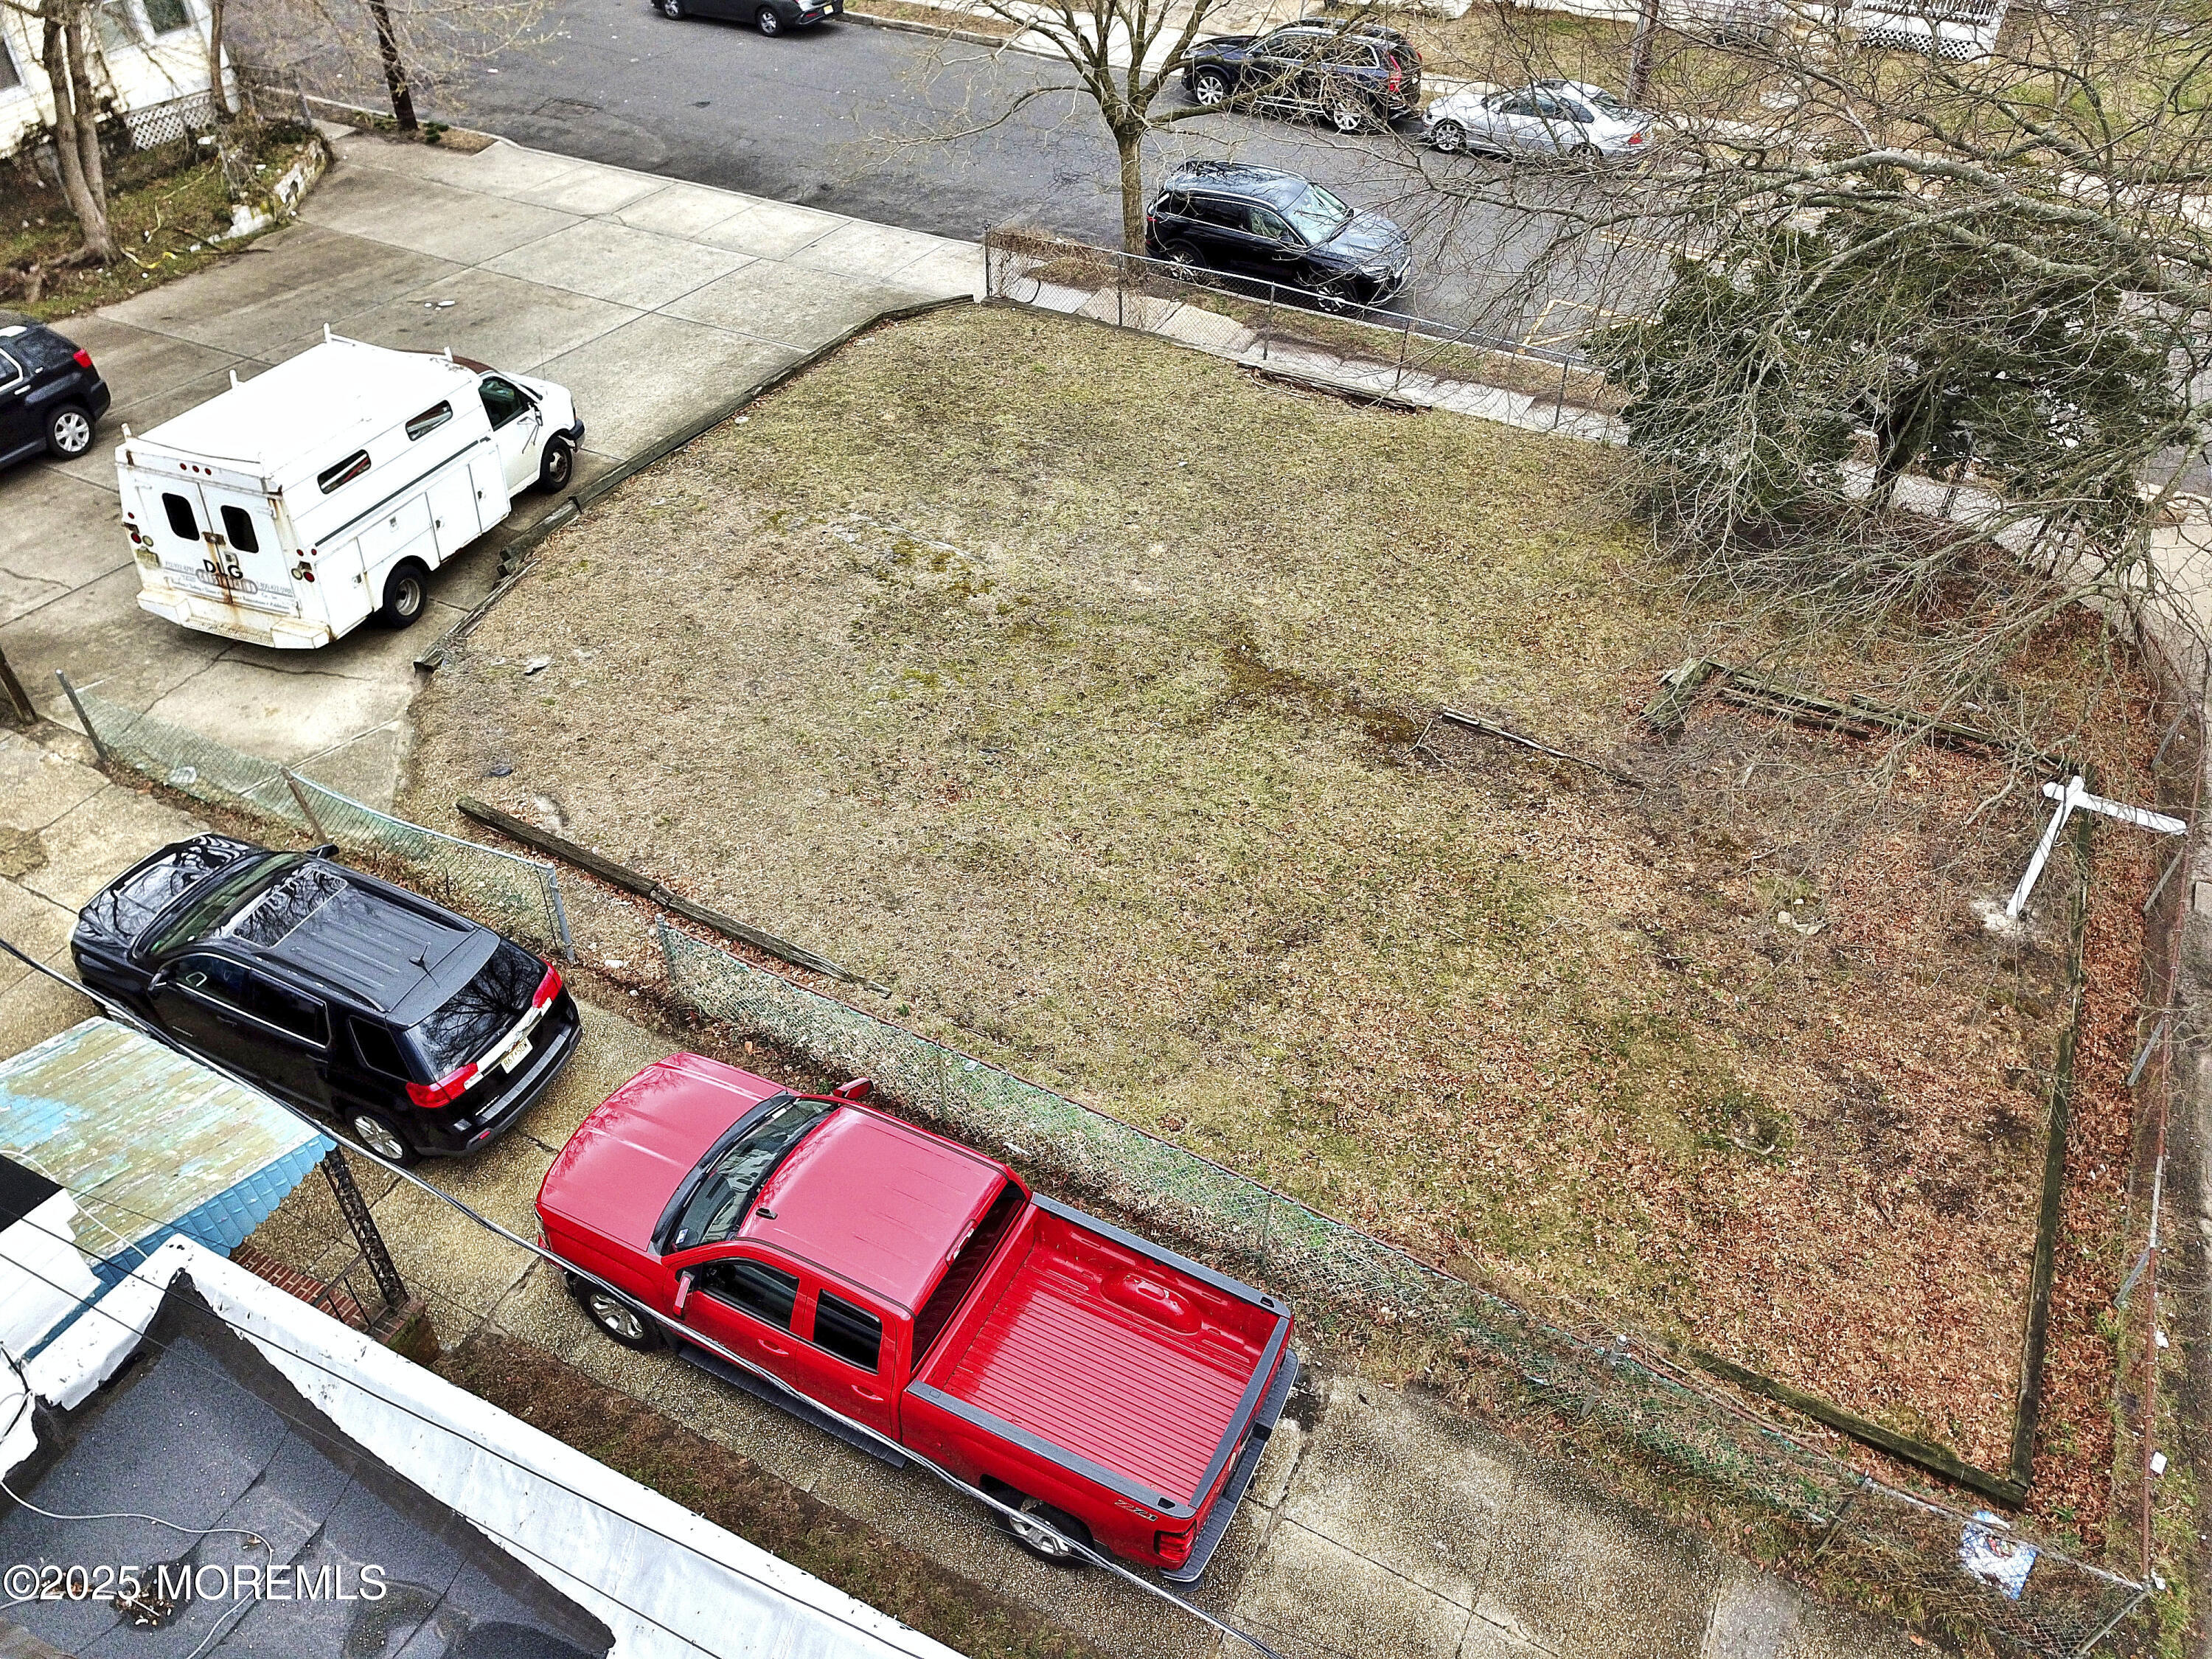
406, 594
558, 463
617, 1318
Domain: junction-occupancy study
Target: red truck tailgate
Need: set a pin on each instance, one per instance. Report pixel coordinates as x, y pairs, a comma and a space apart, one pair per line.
1103, 1346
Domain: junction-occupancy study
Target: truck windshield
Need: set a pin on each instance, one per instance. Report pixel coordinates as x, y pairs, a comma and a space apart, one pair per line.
719, 1203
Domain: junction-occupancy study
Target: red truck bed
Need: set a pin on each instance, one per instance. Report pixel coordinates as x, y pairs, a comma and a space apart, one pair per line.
1101, 1345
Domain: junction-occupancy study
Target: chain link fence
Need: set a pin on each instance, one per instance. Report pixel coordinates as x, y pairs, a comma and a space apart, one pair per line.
1518, 340
1959, 1571
518, 895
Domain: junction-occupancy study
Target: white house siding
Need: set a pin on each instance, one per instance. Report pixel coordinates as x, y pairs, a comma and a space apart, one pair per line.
154, 53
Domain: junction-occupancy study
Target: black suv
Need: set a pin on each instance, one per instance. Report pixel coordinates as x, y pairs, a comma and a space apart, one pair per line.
1357, 75
51, 396
1273, 227
416, 1030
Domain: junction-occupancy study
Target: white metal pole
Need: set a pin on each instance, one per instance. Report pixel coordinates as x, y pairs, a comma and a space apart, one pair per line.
2068, 799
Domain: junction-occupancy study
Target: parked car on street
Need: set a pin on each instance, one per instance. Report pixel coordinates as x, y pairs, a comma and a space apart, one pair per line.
322, 492
51, 396
1552, 118
417, 1030
1113, 1393
1354, 75
1257, 223
770, 17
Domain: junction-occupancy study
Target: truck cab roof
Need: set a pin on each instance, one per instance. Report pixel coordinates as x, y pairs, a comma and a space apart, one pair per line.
876, 1202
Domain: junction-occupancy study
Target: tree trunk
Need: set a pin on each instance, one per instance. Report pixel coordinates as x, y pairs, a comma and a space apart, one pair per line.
223, 112
395, 72
86, 188
1129, 144
1639, 54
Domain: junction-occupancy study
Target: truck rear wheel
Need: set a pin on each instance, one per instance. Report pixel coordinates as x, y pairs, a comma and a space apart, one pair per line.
621, 1320
406, 594
1048, 1534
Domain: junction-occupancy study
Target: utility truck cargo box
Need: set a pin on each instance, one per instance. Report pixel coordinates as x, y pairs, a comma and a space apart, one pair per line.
322, 492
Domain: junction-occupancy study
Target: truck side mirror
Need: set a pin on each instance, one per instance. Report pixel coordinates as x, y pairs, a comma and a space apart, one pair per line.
856, 1091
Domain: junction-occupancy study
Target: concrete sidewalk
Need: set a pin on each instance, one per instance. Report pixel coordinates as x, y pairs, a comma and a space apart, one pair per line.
653, 302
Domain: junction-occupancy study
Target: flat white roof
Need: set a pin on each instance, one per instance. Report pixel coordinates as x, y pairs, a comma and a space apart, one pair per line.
318, 407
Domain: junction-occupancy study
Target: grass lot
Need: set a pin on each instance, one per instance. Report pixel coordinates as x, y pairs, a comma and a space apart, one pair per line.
162, 217
1075, 686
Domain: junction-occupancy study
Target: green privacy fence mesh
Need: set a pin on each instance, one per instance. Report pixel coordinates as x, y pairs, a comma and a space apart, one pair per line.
1953, 1569
518, 895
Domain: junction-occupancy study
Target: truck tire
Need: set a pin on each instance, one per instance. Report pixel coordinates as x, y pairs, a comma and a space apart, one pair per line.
1048, 1534
556, 465
619, 1319
406, 594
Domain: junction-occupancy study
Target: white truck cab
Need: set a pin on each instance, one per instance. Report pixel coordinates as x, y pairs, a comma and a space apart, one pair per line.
323, 492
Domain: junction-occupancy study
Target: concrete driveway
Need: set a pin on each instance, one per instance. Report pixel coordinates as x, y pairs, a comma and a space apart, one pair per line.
653, 302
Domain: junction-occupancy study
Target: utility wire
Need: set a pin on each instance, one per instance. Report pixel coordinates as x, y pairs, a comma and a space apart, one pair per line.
1090, 1553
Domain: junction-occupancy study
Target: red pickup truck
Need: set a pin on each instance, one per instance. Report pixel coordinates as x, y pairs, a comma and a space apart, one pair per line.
1112, 1393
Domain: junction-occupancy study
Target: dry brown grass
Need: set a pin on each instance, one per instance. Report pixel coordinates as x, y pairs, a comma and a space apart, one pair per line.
1070, 683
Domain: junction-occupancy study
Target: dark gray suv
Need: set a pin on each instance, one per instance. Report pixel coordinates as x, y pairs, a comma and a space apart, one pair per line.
417, 1030
51, 396
1263, 226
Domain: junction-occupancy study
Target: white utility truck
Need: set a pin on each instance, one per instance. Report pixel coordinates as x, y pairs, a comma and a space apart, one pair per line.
323, 492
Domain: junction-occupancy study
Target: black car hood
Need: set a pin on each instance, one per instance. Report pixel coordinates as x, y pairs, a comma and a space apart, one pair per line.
1366, 237
120, 911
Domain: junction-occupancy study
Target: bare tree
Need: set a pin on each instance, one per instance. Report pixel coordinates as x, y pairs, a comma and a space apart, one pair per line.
401, 51
67, 42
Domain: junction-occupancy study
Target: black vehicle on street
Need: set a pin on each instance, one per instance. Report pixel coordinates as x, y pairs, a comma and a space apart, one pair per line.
770, 17
51, 396
1354, 75
417, 1030
1259, 224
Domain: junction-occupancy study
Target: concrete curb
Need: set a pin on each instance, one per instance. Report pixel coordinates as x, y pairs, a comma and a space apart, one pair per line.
513, 559
945, 31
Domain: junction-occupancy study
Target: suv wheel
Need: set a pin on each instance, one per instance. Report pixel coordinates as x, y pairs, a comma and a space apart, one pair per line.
382, 1136
671, 8
618, 1319
406, 594
1348, 114
1209, 87
1183, 258
68, 432
766, 20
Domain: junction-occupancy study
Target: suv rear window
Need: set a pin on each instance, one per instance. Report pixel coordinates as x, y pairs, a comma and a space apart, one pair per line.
480, 1013
43, 352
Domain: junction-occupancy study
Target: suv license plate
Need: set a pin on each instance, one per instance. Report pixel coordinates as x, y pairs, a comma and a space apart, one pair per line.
515, 1057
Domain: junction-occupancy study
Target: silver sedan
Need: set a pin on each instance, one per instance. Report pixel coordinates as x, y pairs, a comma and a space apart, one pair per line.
1568, 119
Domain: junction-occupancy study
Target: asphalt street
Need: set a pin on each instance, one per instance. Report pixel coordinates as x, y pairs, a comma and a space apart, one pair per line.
953, 138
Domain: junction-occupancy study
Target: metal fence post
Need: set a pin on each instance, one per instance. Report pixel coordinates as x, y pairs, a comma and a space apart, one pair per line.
90, 730
301, 796
1405, 345
1267, 323
552, 880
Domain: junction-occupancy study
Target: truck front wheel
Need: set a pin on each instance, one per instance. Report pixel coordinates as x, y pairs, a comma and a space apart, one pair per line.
620, 1319
1048, 1534
406, 594
558, 463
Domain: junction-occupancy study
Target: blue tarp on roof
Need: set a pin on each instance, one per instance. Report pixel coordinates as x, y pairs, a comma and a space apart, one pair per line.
150, 1144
